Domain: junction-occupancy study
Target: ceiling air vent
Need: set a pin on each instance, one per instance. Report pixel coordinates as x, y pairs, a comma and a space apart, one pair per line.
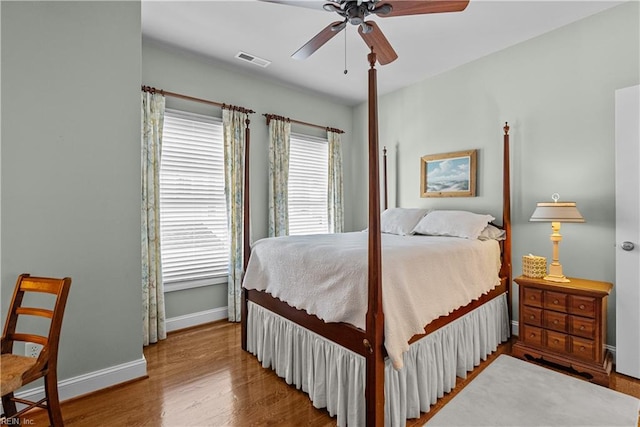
253, 59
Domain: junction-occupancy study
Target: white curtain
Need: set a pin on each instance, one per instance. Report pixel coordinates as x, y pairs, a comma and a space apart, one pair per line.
234, 164
153, 312
279, 140
335, 202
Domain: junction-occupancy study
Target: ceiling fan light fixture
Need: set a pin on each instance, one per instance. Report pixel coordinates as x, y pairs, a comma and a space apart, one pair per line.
366, 28
339, 27
330, 7
385, 9
356, 14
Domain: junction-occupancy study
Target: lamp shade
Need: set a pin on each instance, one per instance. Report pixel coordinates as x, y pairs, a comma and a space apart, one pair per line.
556, 212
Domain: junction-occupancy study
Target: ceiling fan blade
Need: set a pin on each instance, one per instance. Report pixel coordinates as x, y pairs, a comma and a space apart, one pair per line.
381, 46
319, 40
404, 7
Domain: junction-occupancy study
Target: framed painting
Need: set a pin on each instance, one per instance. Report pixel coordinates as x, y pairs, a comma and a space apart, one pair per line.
448, 174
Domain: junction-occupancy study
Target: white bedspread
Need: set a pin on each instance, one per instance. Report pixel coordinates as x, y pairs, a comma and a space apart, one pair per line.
423, 278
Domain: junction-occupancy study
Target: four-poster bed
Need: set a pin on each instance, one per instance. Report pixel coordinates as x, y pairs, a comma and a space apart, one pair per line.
363, 349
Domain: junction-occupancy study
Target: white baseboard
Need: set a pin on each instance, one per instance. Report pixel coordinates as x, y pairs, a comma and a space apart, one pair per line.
612, 349
93, 381
515, 328
195, 319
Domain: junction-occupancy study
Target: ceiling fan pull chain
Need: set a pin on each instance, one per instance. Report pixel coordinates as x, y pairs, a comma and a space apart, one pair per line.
345, 53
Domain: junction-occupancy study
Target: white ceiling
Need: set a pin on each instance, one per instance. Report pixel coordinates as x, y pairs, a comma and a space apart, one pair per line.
426, 44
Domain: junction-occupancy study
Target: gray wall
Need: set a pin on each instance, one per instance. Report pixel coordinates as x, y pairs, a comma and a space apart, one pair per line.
557, 93
70, 169
178, 71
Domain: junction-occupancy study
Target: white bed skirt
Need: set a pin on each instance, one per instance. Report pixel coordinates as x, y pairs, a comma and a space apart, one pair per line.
334, 377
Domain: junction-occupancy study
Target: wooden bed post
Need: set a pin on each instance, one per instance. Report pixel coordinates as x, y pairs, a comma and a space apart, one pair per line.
374, 341
246, 235
506, 214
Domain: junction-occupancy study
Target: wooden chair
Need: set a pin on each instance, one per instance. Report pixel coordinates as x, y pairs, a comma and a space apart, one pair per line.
18, 370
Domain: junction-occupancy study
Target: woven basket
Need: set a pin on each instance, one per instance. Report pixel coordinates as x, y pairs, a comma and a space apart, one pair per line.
534, 266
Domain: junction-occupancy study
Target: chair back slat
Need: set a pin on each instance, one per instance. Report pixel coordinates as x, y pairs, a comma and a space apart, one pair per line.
39, 284
38, 339
34, 311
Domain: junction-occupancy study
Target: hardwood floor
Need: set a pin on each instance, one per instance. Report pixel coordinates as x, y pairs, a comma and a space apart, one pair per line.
201, 377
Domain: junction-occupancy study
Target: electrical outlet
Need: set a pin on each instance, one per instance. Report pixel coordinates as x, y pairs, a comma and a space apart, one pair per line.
32, 349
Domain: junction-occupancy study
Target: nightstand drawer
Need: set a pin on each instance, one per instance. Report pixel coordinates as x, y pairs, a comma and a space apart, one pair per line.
556, 321
582, 348
532, 335
532, 297
555, 301
532, 316
583, 306
557, 341
582, 326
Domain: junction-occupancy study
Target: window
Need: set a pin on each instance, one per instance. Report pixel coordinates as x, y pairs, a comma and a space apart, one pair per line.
193, 217
308, 166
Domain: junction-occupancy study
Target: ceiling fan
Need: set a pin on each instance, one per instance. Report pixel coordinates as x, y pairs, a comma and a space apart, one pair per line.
356, 11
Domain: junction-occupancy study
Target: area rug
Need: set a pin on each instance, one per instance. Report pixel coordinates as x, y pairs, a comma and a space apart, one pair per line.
512, 392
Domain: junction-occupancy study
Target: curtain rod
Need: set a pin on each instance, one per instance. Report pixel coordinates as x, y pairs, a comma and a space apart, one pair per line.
191, 98
274, 116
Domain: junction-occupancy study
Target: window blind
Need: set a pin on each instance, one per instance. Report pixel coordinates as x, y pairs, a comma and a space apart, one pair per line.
193, 217
307, 188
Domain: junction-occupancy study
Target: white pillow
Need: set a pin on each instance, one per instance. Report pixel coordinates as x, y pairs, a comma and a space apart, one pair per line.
400, 221
491, 232
453, 223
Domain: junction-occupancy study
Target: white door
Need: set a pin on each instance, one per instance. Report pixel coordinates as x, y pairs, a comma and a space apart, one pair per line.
627, 286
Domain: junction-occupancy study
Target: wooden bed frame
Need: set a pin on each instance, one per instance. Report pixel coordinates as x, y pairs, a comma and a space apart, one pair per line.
369, 343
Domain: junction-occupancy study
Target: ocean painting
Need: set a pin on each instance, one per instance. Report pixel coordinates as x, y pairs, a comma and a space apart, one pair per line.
448, 175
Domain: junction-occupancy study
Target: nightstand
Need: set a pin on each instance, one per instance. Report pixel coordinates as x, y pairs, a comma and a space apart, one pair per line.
565, 324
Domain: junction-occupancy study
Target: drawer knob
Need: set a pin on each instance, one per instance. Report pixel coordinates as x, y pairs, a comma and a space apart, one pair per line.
582, 348
582, 328
532, 317
532, 297
556, 341
555, 322
555, 301
581, 306
532, 335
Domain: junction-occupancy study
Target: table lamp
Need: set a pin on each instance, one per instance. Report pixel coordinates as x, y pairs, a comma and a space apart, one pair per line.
556, 212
